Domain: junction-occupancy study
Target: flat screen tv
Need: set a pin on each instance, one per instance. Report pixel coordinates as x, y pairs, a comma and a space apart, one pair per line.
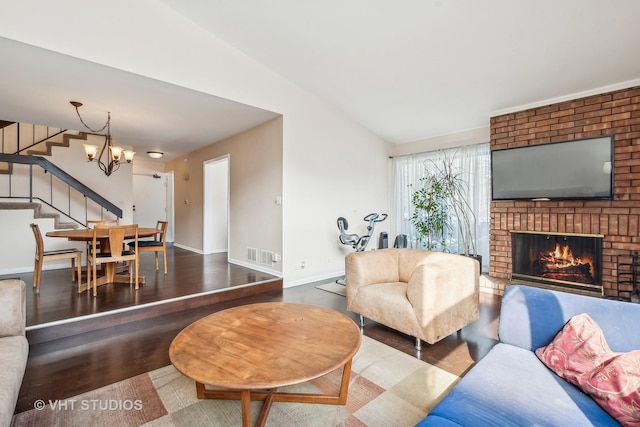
579, 169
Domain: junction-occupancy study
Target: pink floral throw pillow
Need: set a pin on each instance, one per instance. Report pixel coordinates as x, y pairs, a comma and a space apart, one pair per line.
580, 354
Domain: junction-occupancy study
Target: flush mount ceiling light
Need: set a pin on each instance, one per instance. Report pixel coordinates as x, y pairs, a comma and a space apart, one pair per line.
114, 152
155, 154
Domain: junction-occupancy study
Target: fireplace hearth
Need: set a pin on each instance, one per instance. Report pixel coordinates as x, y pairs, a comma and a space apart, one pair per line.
571, 261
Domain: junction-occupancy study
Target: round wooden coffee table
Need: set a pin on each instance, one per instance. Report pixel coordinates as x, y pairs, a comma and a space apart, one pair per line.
251, 350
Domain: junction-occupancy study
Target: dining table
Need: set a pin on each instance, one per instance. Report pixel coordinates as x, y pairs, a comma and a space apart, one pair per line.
86, 235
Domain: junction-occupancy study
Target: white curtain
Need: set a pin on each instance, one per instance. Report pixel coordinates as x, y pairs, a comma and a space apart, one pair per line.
473, 162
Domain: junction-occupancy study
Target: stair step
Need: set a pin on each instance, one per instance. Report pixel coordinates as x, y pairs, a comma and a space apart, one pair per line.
6, 168
20, 205
50, 143
57, 224
43, 147
47, 215
67, 225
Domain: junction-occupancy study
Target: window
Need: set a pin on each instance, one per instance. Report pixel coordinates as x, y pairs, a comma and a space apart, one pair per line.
473, 164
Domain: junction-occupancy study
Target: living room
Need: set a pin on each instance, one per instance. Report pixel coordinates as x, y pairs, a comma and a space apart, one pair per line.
318, 140
311, 129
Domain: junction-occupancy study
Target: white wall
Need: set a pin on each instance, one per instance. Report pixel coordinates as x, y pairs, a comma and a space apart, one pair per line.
17, 253
255, 181
443, 142
147, 38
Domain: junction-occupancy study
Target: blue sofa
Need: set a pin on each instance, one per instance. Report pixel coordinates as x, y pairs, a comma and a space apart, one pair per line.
511, 387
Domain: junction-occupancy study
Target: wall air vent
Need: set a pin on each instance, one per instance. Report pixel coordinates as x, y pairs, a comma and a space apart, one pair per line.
252, 254
266, 257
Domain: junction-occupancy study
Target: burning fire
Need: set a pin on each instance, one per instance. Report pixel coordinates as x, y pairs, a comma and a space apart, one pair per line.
562, 265
561, 257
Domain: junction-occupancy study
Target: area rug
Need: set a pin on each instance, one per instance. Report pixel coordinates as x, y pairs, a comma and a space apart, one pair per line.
387, 388
334, 288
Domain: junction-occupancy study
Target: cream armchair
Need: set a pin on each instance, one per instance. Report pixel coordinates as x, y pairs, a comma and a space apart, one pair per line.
427, 295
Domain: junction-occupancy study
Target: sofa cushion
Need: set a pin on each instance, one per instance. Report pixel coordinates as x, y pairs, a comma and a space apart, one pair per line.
12, 303
580, 354
13, 360
510, 386
530, 317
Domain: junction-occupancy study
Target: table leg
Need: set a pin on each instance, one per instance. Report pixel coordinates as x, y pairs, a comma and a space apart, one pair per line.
245, 397
344, 384
268, 396
266, 406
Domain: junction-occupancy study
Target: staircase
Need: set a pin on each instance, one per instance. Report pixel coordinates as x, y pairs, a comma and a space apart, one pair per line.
25, 187
38, 214
36, 140
43, 148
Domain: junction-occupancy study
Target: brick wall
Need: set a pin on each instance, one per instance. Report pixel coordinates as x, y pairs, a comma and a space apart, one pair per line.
615, 113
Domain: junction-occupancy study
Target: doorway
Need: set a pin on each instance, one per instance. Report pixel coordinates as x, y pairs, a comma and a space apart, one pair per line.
216, 206
153, 201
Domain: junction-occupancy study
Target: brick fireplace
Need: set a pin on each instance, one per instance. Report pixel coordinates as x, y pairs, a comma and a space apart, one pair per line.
571, 262
617, 221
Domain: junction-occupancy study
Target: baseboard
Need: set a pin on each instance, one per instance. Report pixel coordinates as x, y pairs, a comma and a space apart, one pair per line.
257, 267
312, 279
188, 248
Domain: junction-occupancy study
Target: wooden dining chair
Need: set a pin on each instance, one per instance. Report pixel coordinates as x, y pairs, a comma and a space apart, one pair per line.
112, 250
93, 222
42, 256
90, 223
158, 244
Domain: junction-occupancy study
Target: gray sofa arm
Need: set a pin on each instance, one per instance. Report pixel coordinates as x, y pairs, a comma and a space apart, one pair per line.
13, 303
531, 317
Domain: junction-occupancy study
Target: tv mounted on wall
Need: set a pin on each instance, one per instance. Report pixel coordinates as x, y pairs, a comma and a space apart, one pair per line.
579, 169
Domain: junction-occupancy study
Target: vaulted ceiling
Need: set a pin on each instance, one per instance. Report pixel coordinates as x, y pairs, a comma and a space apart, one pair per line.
410, 69
404, 69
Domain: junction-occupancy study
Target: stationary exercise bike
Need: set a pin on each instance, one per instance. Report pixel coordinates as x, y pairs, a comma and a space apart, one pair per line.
359, 243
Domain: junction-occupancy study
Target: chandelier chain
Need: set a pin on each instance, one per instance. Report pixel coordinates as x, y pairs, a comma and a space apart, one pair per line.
106, 125
113, 152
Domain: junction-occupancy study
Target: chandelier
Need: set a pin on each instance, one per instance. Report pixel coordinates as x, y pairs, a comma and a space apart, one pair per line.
114, 152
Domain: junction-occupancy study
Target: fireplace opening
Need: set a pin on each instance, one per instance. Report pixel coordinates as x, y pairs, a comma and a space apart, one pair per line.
565, 260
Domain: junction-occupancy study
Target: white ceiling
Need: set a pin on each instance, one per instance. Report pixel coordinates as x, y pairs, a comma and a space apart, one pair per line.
146, 114
410, 69
405, 69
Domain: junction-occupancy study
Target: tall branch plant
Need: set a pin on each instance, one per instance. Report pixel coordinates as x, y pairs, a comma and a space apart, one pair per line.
441, 196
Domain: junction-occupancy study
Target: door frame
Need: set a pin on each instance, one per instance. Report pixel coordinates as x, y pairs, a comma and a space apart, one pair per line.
170, 211
209, 213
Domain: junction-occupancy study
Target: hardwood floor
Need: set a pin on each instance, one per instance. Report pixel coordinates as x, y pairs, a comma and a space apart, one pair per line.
69, 365
188, 274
